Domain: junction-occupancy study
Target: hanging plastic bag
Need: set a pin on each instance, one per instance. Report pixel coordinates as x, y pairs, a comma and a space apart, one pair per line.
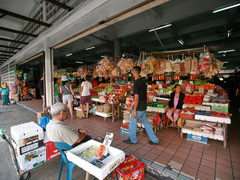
44, 121
157, 119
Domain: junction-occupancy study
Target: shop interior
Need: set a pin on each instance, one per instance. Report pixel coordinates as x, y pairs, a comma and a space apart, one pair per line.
208, 42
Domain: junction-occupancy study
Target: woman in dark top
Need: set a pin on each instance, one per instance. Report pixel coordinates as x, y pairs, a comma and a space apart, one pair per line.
175, 104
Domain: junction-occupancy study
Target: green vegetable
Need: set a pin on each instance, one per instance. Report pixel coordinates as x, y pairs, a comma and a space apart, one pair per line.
199, 82
109, 89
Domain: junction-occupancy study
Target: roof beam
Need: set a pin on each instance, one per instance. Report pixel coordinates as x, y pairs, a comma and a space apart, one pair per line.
62, 5
5, 57
9, 13
18, 32
11, 40
7, 52
10, 47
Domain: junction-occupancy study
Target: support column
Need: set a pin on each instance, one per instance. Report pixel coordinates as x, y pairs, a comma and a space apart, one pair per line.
48, 74
44, 11
117, 48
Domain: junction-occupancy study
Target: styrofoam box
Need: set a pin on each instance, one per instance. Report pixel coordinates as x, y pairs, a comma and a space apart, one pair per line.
213, 119
27, 148
116, 157
32, 159
26, 134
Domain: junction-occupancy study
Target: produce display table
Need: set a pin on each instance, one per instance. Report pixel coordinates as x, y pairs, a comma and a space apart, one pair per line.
161, 111
84, 157
216, 120
216, 104
114, 114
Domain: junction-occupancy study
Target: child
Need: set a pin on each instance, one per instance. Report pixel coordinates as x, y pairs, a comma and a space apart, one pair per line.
5, 93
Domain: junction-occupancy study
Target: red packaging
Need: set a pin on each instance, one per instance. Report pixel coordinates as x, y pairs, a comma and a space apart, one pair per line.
130, 169
51, 151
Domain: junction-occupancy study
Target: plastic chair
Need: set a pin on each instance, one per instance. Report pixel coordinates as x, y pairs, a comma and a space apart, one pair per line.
61, 146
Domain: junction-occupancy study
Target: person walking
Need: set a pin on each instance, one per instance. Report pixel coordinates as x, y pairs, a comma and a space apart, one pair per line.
5, 93
85, 93
67, 95
139, 109
56, 91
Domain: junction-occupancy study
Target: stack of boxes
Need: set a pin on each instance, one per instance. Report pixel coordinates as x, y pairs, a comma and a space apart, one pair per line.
32, 148
27, 140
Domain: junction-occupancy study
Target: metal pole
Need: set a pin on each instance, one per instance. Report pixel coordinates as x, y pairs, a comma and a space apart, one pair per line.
48, 74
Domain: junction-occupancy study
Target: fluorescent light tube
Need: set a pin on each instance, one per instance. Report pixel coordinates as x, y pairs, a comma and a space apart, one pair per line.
79, 62
90, 48
181, 41
226, 8
67, 55
226, 51
160, 27
225, 62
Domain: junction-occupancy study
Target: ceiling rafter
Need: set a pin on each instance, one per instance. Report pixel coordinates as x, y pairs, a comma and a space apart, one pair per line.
10, 47
12, 40
62, 5
8, 52
18, 32
19, 16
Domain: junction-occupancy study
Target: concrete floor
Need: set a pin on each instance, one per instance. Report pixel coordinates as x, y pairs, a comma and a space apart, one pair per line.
13, 115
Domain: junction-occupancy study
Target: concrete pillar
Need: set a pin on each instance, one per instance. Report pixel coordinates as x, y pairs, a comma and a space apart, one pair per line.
44, 11
48, 74
117, 48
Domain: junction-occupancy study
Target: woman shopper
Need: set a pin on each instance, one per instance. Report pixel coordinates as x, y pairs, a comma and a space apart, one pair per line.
56, 91
85, 93
67, 95
5, 93
175, 104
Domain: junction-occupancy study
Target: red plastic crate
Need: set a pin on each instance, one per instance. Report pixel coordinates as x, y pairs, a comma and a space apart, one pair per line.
130, 169
51, 151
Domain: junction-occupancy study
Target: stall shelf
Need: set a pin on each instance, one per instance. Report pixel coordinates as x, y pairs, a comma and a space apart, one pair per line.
201, 121
114, 114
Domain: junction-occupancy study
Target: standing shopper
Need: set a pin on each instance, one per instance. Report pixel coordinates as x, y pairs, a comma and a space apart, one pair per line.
139, 110
5, 93
85, 93
67, 95
175, 104
56, 91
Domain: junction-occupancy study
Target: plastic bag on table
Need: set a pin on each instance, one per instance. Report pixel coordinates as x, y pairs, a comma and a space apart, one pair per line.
157, 119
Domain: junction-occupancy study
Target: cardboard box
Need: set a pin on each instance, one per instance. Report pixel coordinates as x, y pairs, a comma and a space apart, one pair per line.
220, 109
27, 148
78, 112
51, 151
131, 168
124, 131
32, 159
26, 134
196, 138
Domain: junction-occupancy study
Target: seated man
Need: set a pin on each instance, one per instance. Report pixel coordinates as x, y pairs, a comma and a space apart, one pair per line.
58, 131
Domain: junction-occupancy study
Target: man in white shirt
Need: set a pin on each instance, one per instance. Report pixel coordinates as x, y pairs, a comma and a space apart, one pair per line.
58, 131
85, 93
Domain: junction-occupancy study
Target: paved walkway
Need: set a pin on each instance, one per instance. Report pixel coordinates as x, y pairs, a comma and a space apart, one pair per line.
179, 157
16, 114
